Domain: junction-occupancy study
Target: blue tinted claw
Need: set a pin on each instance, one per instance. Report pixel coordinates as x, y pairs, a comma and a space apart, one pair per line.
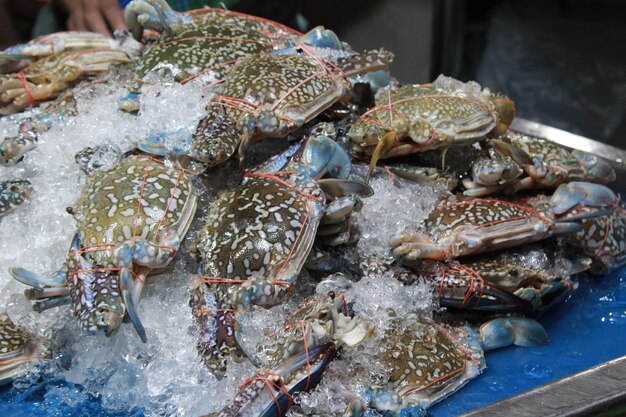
43, 305
519, 331
323, 155
152, 14
130, 103
586, 194
178, 143
33, 279
126, 281
337, 187
321, 37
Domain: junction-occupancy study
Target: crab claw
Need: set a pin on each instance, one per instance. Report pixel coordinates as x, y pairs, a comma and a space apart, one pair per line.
518, 331
589, 200
13, 193
322, 155
177, 142
271, 393
18, 348
321, 37
596, 169
126, 283
152, 14
13, 149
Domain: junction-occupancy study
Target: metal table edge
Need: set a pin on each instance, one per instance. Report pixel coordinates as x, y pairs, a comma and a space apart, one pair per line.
589, 392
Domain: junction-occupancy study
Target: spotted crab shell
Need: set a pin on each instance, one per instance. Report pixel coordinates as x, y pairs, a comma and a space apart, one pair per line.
137, 198
213, 43
261, 229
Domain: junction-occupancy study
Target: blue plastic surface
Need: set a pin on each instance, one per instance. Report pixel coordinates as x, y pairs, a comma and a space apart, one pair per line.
586, 330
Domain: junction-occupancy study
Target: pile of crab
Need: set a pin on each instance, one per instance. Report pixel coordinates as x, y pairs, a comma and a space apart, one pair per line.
297, 209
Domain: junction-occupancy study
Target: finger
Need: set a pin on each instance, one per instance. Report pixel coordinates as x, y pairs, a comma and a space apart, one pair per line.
113, 14
94, 18
76, 20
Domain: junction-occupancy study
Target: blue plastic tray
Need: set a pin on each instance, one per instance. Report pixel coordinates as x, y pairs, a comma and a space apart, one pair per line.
586, 330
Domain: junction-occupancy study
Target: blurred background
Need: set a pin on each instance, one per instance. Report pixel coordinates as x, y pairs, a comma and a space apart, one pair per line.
562, 61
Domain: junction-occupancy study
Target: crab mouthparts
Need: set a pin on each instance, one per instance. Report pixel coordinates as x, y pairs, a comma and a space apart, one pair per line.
110, 321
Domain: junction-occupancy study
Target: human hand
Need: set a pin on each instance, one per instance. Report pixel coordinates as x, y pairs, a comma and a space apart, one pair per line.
94, 15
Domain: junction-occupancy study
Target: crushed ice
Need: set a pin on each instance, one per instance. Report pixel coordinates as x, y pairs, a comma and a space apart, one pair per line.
165, 375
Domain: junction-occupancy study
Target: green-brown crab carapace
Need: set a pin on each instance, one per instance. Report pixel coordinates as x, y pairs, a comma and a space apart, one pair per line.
273, 95
130, 220
256, 239
415, 118
203, 44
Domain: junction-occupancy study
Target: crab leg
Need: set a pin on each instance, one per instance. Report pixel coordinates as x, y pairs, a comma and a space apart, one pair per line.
59, 42
43, 305
270, 394
33, 279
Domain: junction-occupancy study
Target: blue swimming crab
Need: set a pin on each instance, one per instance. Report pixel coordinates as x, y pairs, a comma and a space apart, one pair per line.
54, 73
513, 281
546, 165
130, 220
273, 95
204, 43
17, 57
427, 362
415, 118
257, 237
472, 225
13, 193
604, 240
17, 349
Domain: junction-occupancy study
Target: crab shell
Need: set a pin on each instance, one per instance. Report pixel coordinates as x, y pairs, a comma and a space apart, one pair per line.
604, 240
443, 113
264, 96
429, 361
17, 349
139, 200
546, 164
52, 75
209, 46
263, 229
